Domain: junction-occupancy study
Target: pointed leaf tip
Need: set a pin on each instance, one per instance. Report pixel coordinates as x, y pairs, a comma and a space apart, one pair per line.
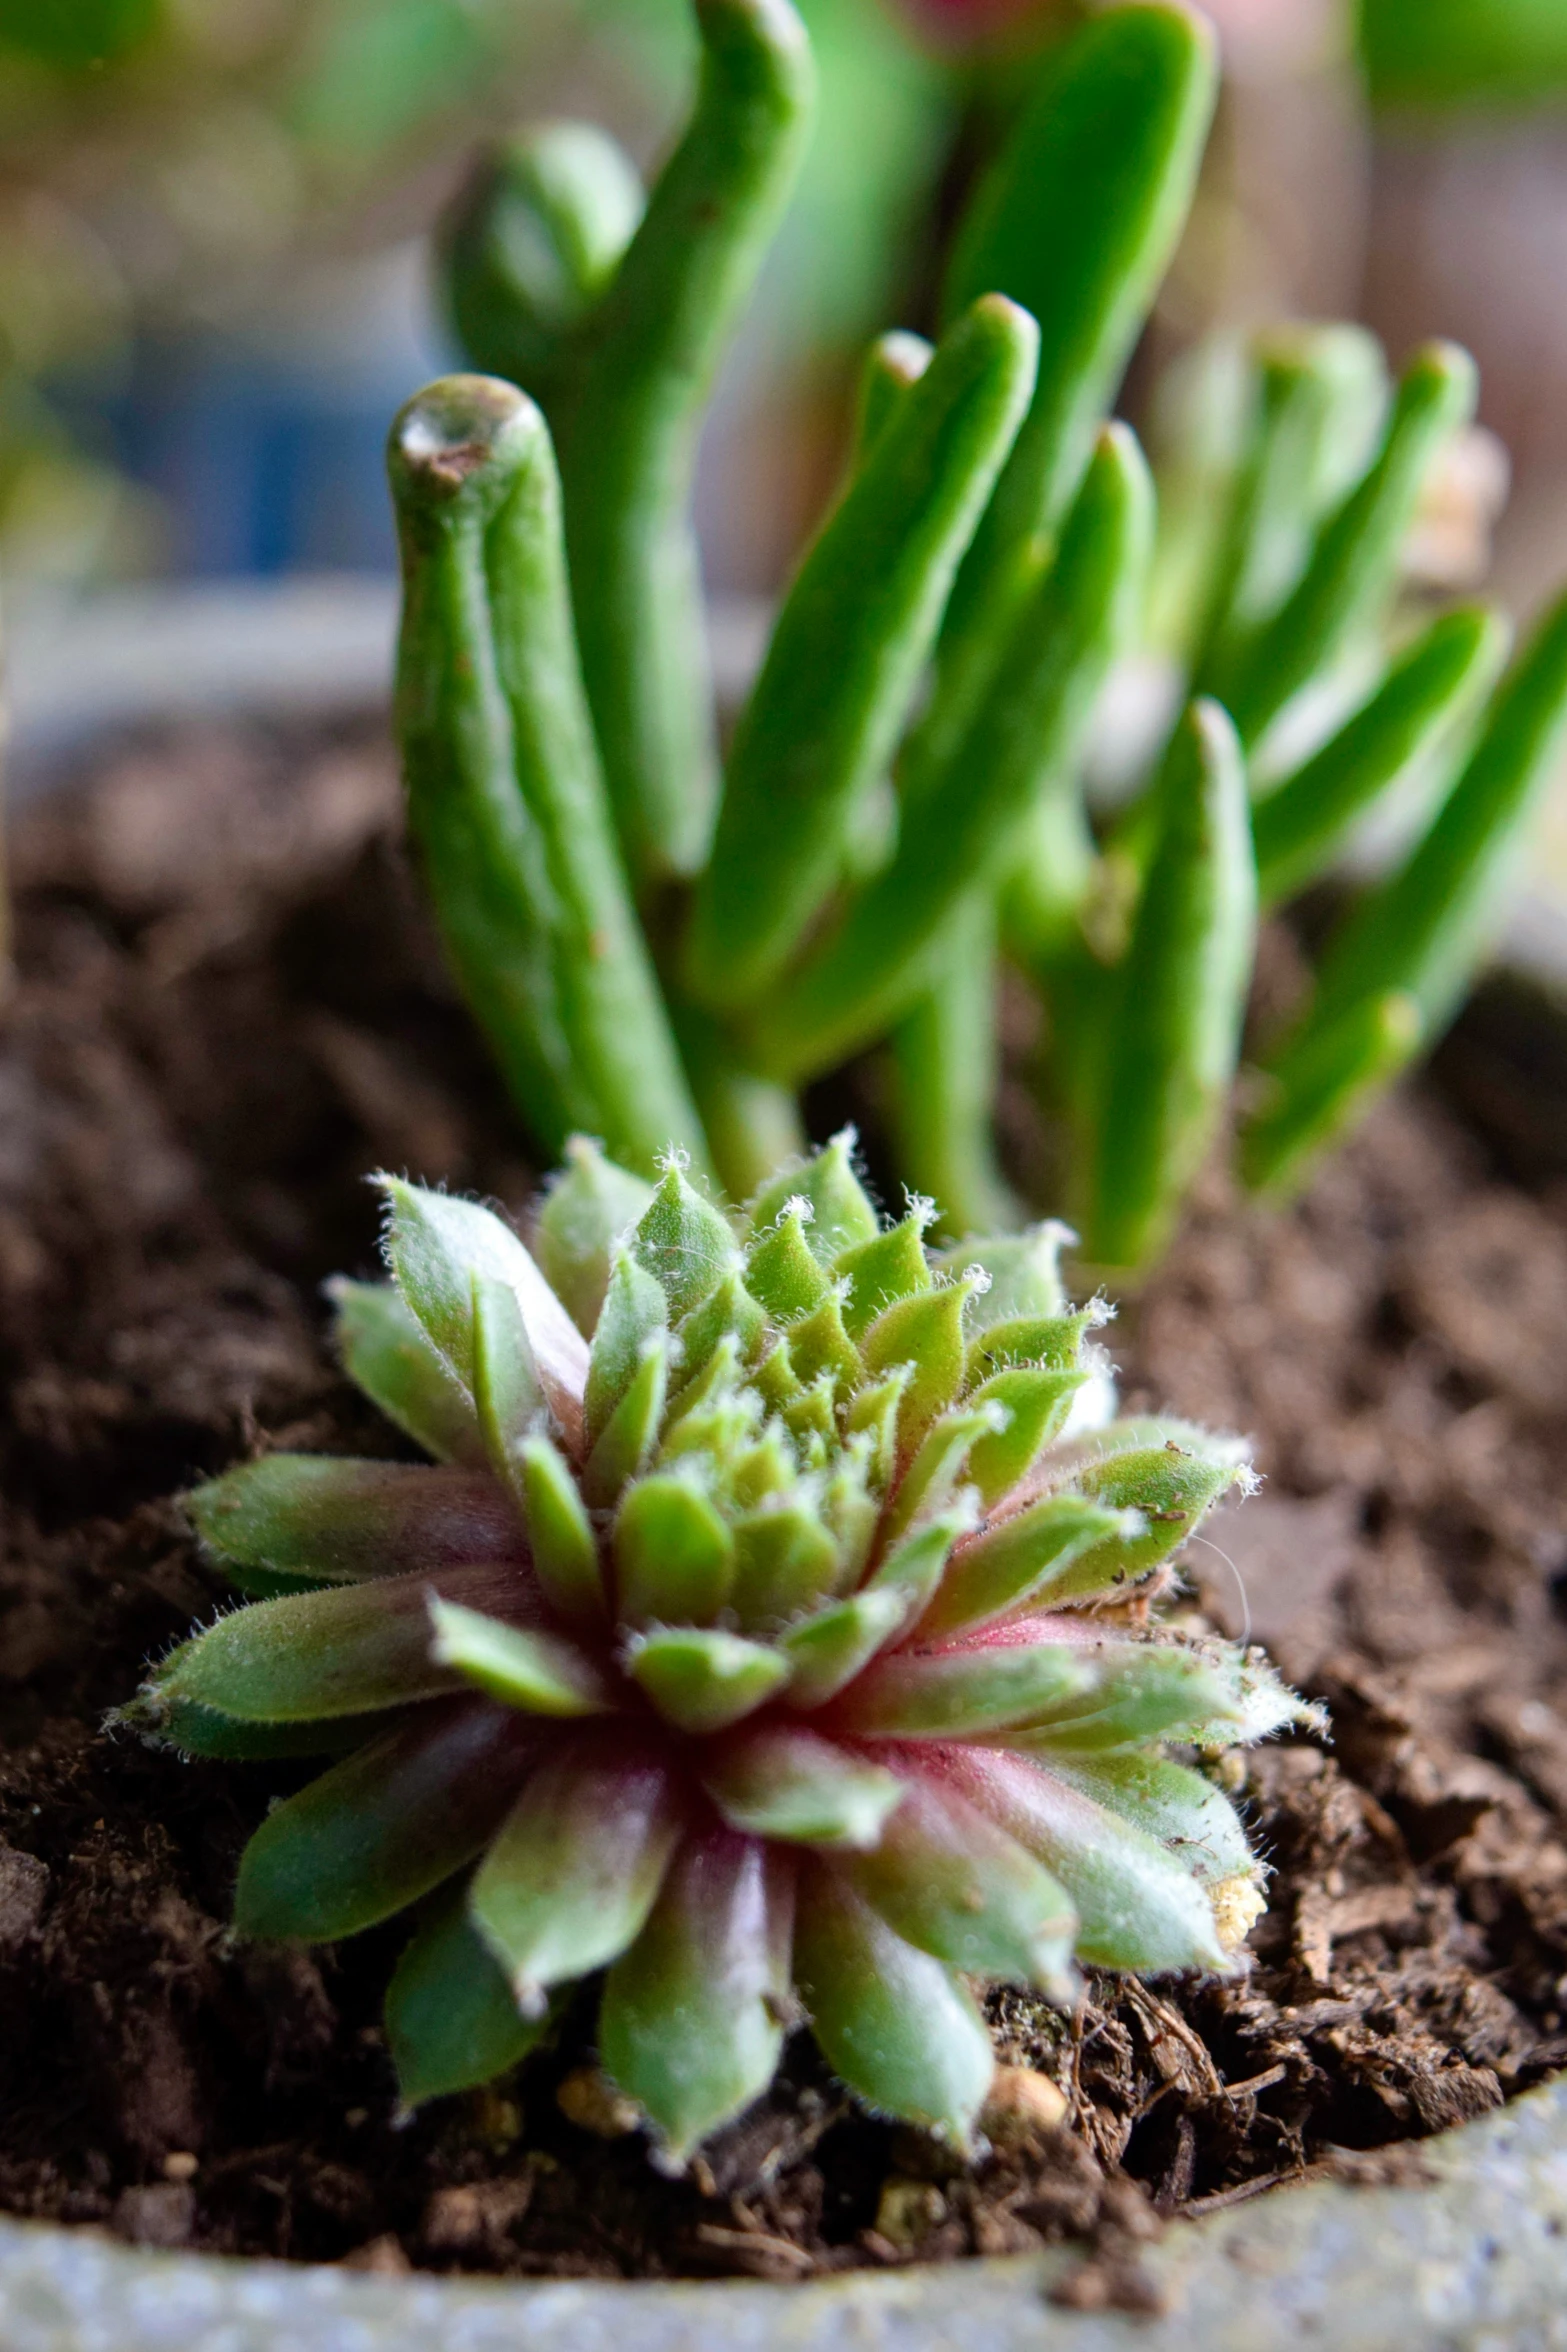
435, 1245
588, 1210
683, 1242
539, 1673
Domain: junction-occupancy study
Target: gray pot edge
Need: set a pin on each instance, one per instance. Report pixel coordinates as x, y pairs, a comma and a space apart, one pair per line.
1469, 2257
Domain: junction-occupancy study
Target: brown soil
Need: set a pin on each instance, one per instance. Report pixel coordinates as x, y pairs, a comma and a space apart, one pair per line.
230, 1011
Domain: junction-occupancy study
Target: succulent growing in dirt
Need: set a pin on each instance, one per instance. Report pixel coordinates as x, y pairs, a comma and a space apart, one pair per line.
777, 1632
665, 945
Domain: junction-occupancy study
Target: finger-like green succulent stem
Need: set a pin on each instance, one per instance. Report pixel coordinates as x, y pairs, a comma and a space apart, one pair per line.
1316, 390
1301, 825
846, 653
638, 382
1355, 559
1422, 931
894, 363
505, 794
753, 1124
1318, 1088
958, 825
1077, 221
531, 245
946, 1065
1180, 998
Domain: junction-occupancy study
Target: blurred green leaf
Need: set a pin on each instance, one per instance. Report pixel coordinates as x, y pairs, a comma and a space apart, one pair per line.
1451, 50
77, 33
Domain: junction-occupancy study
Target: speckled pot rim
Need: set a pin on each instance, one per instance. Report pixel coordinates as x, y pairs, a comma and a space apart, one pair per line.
1469, 2257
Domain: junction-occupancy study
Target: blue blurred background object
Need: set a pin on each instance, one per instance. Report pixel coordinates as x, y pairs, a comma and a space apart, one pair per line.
213, 289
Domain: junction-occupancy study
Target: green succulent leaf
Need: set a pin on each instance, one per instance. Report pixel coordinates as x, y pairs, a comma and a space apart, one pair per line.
1032, 1402
508, 1395
560, 1536
451, 2023
1138, 1905
1025, 1559
943, 1876
683, 1242
569, 1881
702, 1680
900, 2028
625, 1446
1025, 1276
819, 1342
780, 1781
884, 1268
674, 1554
1173, 1483
343, 1652
541, 1673
588, 1210
436, 1245
634, 1311
197, 1730
1180, 1809
872, 1419
843, 1214
781, 1269
928, 1485
1137, 1692
786, 1561
1049, 1341
913, 1567
728, 1313
311, 1519
386, 1355
826, 1651
963, 1694
692, 2018
385, 1826
925, 1331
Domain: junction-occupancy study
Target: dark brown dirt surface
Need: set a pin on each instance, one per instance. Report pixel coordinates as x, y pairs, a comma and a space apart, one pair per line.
230, 1010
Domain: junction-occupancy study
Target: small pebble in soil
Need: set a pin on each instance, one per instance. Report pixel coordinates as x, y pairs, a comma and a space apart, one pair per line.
590, 2100
1022, 2104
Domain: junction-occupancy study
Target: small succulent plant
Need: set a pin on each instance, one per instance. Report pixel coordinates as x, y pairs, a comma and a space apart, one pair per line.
665, 945
775, 1631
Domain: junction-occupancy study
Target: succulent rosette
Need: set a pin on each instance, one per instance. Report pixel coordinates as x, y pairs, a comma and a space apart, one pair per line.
774, 1631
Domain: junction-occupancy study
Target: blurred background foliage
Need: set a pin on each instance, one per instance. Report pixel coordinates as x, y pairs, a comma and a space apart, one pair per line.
213, 288
1460, 51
